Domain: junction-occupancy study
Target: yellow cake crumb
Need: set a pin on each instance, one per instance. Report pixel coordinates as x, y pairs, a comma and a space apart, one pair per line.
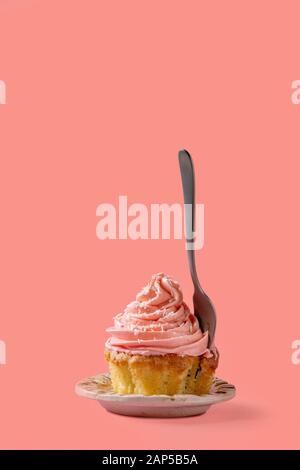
160, 375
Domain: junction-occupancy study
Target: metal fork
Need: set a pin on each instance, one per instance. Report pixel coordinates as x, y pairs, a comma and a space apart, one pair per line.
203, 307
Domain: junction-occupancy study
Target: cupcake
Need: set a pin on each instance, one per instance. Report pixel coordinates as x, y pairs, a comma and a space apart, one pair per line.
157, 347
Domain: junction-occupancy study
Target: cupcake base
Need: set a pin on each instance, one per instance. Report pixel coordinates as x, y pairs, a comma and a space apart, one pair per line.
170, 374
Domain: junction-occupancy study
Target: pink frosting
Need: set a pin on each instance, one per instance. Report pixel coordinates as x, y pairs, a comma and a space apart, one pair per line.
158, 322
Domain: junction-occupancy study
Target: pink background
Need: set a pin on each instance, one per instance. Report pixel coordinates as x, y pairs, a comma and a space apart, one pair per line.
100, 97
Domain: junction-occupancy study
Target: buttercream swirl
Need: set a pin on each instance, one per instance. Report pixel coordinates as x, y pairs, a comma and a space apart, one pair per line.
158, 322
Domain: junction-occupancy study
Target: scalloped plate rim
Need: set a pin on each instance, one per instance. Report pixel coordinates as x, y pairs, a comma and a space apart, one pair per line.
156, 400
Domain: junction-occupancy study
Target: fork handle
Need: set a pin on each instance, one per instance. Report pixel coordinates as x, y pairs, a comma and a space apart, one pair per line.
188, 185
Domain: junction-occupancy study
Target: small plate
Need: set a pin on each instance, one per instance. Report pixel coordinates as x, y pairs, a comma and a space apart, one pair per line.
154, 406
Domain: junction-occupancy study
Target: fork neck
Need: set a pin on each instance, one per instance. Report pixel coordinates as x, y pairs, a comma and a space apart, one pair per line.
193, 270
